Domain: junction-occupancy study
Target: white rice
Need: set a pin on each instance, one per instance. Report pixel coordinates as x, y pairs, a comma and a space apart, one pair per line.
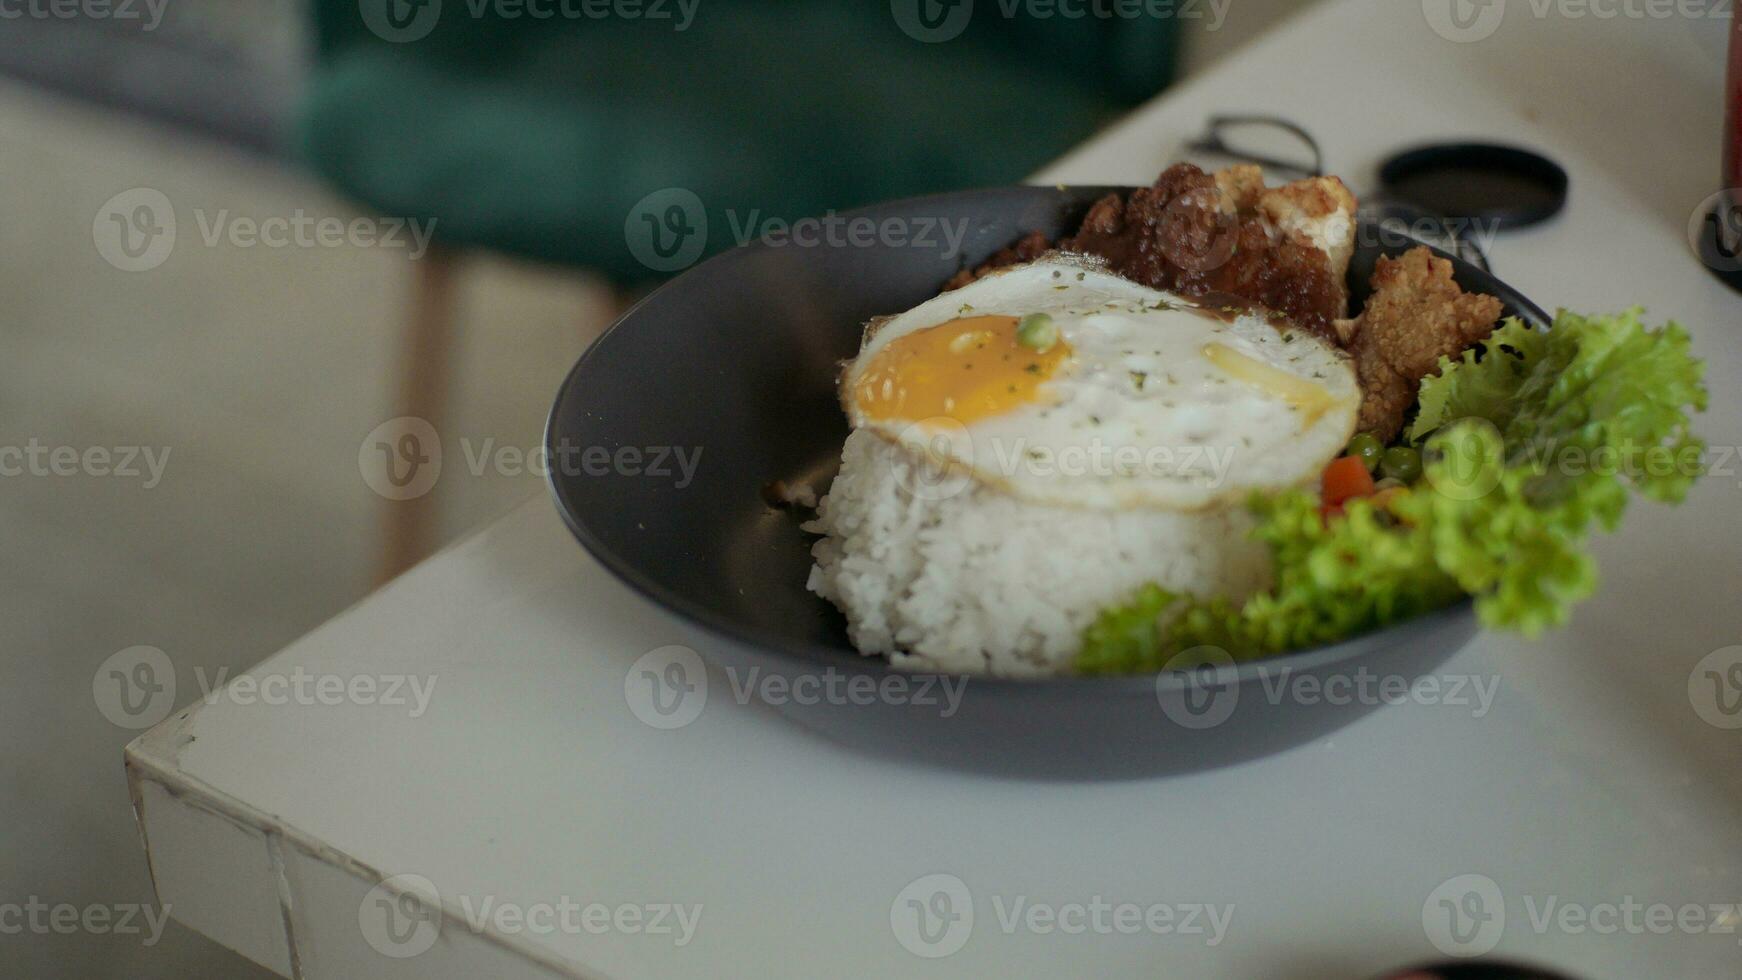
942, 574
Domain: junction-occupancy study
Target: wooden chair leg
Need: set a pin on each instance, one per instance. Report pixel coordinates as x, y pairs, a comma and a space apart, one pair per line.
422, 393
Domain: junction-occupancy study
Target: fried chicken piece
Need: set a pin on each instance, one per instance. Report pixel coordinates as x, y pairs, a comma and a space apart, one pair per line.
1241, 186
1286, 248
1193, 233
1416, 315
1319, 211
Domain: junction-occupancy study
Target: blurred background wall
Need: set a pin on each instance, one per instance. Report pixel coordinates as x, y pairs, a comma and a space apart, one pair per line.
258, 370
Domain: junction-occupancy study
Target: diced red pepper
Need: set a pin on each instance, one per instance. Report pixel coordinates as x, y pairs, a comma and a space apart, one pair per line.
1344, 479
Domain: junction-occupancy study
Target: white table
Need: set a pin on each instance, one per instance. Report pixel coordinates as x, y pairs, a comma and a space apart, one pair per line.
1592, 781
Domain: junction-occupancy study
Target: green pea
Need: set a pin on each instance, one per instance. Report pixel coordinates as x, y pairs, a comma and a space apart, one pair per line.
1367, 448
1037, 332
1401, 463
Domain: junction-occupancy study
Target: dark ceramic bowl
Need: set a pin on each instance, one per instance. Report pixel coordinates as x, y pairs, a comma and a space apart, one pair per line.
736, 360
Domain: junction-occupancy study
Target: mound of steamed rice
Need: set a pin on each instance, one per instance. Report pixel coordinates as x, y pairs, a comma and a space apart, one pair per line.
940, 573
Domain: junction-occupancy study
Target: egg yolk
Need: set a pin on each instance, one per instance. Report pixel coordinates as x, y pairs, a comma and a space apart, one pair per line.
968, 368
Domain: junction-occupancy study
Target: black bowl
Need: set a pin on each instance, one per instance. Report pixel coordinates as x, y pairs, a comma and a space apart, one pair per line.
733, 366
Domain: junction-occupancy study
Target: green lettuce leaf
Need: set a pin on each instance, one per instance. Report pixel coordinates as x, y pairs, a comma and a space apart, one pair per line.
1529, 442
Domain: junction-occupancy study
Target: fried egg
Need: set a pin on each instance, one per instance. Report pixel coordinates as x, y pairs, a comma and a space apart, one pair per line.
1122, 396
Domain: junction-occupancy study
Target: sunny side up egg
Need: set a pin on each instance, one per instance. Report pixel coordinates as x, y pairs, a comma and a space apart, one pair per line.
1141, 398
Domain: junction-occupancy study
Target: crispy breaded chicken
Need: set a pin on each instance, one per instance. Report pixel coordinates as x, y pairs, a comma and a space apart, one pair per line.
1241, 186
1193, 233
1319, 210
1416, 315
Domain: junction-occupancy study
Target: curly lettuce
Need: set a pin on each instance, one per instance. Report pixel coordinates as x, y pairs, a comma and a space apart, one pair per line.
1529, 440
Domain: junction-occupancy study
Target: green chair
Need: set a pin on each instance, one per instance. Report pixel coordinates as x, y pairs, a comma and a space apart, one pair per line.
539, 137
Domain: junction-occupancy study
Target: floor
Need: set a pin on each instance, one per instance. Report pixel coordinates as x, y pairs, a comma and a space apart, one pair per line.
259, 371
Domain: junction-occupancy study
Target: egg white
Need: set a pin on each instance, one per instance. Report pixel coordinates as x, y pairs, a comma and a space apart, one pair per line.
1163, 402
